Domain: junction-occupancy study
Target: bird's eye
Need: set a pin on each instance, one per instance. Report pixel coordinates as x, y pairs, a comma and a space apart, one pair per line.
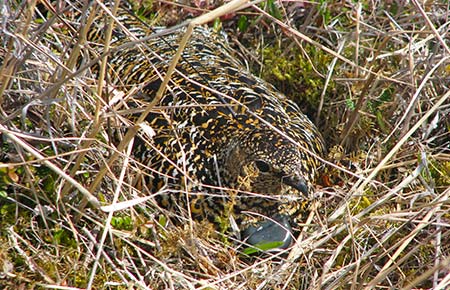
262, 165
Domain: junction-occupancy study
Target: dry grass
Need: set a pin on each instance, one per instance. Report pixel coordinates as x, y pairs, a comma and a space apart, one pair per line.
378, 83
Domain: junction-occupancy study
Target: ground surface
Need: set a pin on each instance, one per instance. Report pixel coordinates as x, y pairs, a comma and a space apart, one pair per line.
373, 77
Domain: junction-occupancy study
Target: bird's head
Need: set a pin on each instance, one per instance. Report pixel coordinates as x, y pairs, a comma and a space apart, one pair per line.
270, 166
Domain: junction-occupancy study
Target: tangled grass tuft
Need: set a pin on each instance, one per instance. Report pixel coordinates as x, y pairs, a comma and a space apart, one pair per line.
374, 77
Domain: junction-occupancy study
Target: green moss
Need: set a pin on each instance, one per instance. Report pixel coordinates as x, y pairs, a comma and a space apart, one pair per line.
144, 9
122, 223
440, 172
293, 72
272, 8
324, 10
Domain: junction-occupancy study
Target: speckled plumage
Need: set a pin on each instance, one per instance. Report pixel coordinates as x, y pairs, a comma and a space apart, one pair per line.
225, 139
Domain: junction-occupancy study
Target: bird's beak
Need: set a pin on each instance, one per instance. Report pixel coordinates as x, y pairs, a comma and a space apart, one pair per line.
296, 182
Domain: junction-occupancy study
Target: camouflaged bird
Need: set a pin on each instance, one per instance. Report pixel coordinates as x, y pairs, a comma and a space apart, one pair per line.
227, 142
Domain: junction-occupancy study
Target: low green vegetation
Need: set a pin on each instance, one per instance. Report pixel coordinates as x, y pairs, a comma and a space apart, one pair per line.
365, 98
